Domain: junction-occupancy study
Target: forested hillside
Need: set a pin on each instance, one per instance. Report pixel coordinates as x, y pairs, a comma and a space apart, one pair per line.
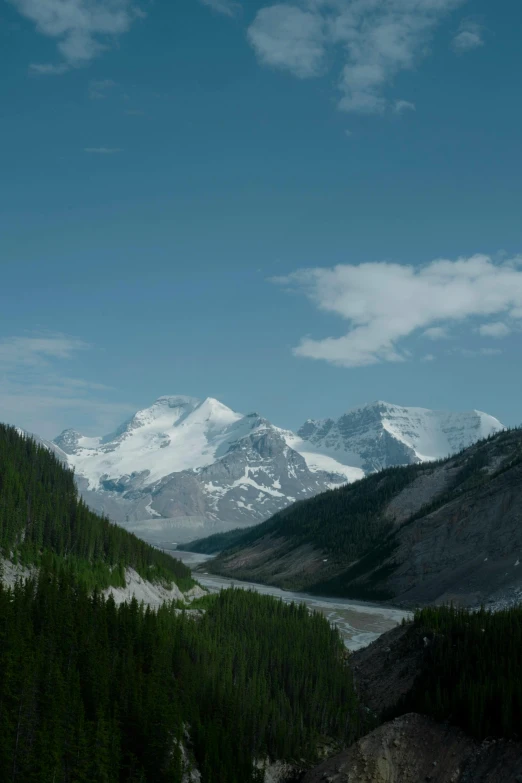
217, 542
40, 513
422, 533
470, 670
94, 692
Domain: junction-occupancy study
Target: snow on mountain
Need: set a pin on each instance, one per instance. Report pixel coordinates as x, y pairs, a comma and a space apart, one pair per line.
380, 434
174, 434
185, 464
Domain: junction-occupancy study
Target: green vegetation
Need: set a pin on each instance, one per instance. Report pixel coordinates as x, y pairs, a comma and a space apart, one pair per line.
344, 521
471, 670
40, 514
215, 543
348, 524
94, 692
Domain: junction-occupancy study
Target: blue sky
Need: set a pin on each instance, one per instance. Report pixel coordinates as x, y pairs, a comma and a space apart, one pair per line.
251, 201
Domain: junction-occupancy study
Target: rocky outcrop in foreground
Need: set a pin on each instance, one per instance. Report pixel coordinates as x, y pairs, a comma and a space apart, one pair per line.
413, 748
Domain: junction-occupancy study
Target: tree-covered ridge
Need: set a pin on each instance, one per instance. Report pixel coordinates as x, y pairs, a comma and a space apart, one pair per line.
40, 513
348, 520
210, 545
354, 529
94, 692
342, 521
471, 670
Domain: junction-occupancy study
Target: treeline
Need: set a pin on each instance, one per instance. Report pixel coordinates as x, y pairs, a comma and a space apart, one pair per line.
349, 525
344, 521
471, 670
95, 692
40, 513
215, 543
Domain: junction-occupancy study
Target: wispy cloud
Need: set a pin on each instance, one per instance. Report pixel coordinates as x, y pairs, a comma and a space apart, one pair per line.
103, 150
436, 333
36, 395
36, 350
48, 69
496, 329
99, 89
470, 36
401, 106
376, 39
290, 38
227, 7
83, 28
385, 303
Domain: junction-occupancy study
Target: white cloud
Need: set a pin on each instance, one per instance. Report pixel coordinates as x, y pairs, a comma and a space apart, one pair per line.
376, 39
103, 150
469, 36
35, 395
99, 89
436, 333
385, 303
429, 357
36, 350
227, 7
83, 28
48, 69
496, 329
287, 37
472, 353
402, 106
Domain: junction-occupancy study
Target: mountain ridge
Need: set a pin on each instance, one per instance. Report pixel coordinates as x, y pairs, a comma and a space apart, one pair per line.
183, 457
423, 533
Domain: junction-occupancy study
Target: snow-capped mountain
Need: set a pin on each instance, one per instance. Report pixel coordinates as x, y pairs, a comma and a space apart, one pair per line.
197, 464
380, 435
186, 467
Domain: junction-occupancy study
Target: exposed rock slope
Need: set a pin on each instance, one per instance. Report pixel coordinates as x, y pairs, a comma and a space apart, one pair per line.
420, 534
413, 748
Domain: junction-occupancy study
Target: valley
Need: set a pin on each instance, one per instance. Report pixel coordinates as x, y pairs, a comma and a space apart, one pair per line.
358, 623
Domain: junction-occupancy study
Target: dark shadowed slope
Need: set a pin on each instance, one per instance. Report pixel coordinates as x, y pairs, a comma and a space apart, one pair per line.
450, 530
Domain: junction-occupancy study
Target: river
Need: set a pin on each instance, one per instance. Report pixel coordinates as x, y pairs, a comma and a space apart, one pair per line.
358, 622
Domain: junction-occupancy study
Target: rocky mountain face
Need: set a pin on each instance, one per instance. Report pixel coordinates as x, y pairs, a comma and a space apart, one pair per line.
451, 531
185, 468
381, 435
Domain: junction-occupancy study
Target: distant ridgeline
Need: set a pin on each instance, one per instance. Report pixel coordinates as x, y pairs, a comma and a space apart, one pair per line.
41, 516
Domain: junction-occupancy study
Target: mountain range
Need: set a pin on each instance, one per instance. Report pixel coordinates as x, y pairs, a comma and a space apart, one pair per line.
185, 468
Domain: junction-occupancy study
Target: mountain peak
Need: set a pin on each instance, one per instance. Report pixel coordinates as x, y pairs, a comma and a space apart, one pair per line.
176, 401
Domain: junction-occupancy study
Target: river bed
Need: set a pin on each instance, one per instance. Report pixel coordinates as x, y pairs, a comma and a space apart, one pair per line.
358, 622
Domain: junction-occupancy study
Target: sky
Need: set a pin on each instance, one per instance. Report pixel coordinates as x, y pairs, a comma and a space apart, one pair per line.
296, 208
